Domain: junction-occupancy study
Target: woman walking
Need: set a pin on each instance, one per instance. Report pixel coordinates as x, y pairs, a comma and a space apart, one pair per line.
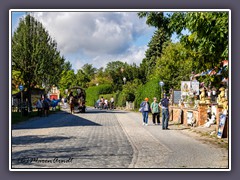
145, 109
155, 111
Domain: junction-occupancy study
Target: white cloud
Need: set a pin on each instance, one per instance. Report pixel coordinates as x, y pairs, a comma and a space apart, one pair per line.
132, 55
95, 37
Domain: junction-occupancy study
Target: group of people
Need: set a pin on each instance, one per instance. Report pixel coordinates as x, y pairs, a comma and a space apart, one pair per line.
77, 100
43, 105
154, 108
104, 103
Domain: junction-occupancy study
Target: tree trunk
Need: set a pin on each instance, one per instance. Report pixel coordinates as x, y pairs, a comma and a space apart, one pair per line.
29, 97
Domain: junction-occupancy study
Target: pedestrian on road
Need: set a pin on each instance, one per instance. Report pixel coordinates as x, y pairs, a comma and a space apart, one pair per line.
112, 103
102, 101
46, 105
165, 114
155, 111
105, 104
39, 106
71, 104
145, 106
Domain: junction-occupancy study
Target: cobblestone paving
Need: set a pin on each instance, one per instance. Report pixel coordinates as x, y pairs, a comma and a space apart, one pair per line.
157, 148
93, 140
148, 151
108, 139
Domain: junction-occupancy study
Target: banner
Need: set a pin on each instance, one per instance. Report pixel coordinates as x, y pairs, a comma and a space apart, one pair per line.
189, 87
185, 87
195, 87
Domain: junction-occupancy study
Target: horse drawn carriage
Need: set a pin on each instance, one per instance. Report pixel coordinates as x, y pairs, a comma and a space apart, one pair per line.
77, 99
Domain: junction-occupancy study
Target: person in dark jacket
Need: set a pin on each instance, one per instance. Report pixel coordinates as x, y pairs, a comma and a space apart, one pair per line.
165, 114
145, 110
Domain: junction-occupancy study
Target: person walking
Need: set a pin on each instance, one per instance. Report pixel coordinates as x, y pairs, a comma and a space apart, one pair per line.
46, 105
165, 114
102, 101
71, 103
39, 106
112, 103
145, 109
155, 111
105, 104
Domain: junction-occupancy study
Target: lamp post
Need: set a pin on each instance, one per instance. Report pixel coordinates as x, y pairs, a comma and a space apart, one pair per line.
21, 88
124, 80
161, 83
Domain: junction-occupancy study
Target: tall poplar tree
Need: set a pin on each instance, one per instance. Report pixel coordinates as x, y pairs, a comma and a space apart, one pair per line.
35, 55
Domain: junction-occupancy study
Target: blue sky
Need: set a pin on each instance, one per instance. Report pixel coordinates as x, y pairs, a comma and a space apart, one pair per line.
95, 37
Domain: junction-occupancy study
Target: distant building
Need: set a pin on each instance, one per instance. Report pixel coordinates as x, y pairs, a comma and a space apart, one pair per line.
36, 93
54, 93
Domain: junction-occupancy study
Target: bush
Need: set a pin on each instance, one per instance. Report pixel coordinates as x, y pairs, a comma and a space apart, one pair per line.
130, 97
121, 100
93, 93
151, 89
106, 96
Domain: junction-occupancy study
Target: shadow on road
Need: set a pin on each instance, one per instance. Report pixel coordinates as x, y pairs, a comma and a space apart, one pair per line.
60, 119
25, 156
24, 140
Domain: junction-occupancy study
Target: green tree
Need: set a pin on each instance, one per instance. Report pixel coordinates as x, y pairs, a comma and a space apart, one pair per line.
154, 51
130, 88
157, 20
89, 70
35, 55
16, 80
67, 66
100, 77
207, 39
68, 79
208, 36
82, 78
174, 66
116, 70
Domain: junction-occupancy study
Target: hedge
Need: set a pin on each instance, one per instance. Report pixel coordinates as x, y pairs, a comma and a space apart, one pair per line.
151, 89
92, 93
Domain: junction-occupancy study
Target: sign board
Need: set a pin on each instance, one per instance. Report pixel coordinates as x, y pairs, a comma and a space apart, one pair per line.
221, 125
195, 86
185, 87
176, 96
189, 87
21, 87
189, 117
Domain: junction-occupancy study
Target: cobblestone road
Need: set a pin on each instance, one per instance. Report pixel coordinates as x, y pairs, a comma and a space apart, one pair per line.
107, 139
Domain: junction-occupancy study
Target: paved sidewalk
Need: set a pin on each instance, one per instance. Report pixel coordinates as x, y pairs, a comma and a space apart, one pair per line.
175, 148
148, 151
